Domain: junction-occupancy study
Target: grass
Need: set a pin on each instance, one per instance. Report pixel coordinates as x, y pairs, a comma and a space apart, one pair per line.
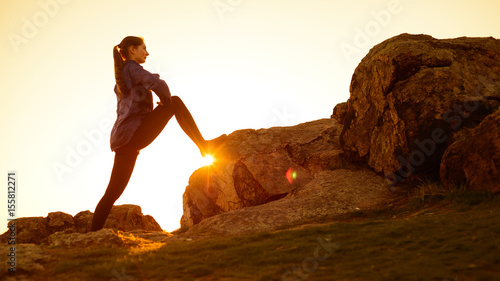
436, 235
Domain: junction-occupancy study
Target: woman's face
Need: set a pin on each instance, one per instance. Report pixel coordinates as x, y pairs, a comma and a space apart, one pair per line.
138, 53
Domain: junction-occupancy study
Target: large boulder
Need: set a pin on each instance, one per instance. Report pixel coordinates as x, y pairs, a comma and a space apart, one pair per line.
36, 230
411, 94
259, 166
474, 158
328, 195
129, 217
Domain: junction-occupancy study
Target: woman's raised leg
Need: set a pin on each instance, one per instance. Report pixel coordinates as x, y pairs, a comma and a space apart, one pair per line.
155, 121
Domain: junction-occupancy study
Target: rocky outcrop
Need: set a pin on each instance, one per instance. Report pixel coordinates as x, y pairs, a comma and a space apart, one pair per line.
327, 195
37, 230
411, 98
412, 95
474, 158
251, 168
265, 179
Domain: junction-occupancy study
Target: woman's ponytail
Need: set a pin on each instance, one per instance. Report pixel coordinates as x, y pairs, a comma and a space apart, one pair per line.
120, 81
120, 53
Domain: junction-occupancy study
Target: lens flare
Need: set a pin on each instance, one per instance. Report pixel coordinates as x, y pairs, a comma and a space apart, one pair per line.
208, 160
291, 175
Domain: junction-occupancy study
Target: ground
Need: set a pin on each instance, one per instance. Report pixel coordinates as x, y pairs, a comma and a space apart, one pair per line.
424, 236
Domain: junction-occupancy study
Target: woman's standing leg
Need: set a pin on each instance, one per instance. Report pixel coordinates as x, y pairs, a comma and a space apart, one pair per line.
122, 170
150, 128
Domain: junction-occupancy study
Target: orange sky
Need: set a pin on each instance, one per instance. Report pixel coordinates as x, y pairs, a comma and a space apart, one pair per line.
236, 64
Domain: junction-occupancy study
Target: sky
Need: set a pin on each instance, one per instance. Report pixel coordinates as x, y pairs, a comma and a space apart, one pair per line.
237, 64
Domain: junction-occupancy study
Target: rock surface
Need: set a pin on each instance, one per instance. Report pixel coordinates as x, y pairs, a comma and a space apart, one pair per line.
107, 238
328, 194
474, 158
29, 259
272, 178
37, 230
259, 166
411, 95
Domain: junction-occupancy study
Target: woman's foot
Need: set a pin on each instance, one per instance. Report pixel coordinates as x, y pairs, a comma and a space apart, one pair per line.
212, 146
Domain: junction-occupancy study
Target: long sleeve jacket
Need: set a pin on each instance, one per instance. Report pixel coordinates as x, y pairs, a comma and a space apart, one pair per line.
137, 102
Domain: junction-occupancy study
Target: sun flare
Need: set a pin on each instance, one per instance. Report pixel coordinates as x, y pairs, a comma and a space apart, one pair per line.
208, 160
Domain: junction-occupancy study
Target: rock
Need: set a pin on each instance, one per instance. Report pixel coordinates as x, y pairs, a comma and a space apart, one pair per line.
36, 230
29, 230
59, 221
150, 224
474, 158
328, 194
339, 112
258, 166
83, 221
29, 259
411, 94
105, 237
108, 238
130, 217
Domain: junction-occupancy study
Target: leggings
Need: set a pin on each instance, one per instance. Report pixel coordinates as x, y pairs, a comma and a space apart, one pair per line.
125, 157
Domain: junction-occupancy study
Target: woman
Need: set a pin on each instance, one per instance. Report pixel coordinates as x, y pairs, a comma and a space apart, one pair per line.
137, 124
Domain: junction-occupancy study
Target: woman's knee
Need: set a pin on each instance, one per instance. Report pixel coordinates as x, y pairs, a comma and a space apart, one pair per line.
177, 104
177, 101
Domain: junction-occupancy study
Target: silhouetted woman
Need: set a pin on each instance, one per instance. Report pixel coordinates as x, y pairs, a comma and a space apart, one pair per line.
137, 123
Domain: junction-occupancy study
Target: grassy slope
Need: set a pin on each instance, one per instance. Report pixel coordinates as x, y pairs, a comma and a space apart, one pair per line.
428, 238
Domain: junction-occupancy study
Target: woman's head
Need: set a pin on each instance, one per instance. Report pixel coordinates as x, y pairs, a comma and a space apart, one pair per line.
130, 48
133, 48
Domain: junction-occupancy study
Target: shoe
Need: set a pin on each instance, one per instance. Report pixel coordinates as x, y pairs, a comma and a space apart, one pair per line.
212, 146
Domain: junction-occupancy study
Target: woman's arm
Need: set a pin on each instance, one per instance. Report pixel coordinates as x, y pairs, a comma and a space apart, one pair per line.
150, 81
